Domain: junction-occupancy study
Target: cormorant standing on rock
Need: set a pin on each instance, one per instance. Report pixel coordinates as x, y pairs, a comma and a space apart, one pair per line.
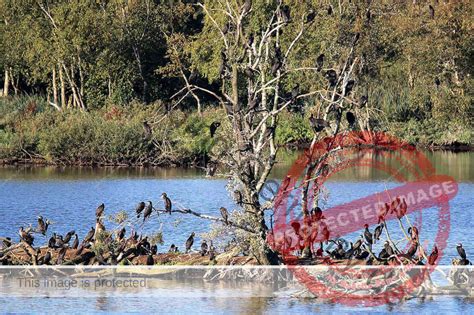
75, 244
149, 260
190, 242
100, 210
225, 215
213, 127
204, 248
167, 201
68, 236
47, 258
52, 241
172, 249
139, 208
147, 211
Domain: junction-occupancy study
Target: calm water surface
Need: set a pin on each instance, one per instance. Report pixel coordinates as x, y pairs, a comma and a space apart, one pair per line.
69, 196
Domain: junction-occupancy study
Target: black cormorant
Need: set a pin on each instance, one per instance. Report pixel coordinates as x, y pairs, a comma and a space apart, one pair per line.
351, 119
52, 241
368, 236
433, 256
213, 127
225, 215
90, 235
363, 100
320, 62
437, 82
286, 13
47, 258
331, 76
147, 130
462, 253
167, 201
330, 10
189, 242
432, 11
348, 89
149, 260
204, 248
154, 249
26, 236
139, 208
42, 225
100, 210
61, 255
121, 234
247, 6
172, 249
148, 210
75, 243
368, 15
378, 232
317, 124
310, 17
68, 236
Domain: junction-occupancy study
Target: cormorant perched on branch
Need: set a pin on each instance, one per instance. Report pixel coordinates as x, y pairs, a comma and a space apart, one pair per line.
90, 235
433, 256
437, 82
100, 210
432, 11
320, 62
348, 88
331, 76
167, 201
330, 10
26, 236
285, 13
310, 17
139, 208
247, 6
148, 210
378, 232
368, 236
317, 124
121, 233
204, 248
351, 118
355, 39
276, 66
213, 127
190, 242
363, 100
225, 215
147, 130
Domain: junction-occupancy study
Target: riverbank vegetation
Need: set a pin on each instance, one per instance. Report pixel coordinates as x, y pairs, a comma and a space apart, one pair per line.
97, 70
130, 82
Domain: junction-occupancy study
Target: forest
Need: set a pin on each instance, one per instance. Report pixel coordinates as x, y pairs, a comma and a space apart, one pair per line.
116, 82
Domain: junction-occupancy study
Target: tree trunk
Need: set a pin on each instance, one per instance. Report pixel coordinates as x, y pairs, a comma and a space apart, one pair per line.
55, 88
63, 88
6, 84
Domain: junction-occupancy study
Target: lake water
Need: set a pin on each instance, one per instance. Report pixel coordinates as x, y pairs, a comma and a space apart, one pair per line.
69, 196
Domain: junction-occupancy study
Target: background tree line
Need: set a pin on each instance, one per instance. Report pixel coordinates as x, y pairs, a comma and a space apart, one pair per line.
109, 57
